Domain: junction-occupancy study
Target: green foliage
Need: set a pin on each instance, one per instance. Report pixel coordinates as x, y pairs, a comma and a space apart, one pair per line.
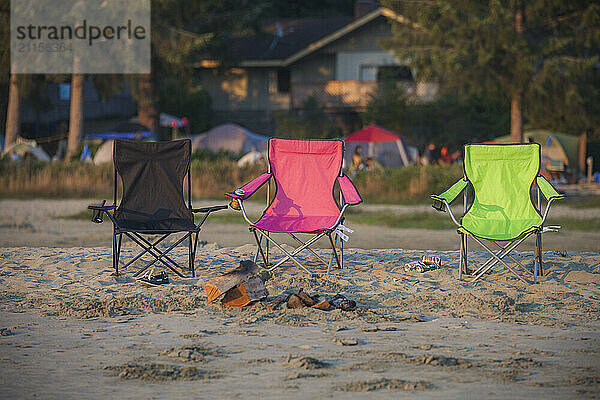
185, 98
388, 109
450, 120
307, 8
308, 122
473, 47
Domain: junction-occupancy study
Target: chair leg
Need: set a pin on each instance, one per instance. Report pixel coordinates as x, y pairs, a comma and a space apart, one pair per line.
341, 254
337, 259
257, 250
119, 249
461, 256
194, 254
114, 246
267, 253
190, 256
466, 256
538, 257
260, 250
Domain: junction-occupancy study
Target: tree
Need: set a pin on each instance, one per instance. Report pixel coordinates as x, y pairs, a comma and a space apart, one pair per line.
13, 114
76, 116
308, 122
498, 46
387, 108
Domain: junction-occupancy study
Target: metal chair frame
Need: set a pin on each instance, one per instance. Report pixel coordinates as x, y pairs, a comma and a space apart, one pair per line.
504, 250
148, 246
329, 232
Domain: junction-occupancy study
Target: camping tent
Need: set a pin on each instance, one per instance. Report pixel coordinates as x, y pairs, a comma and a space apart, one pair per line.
25, 147
230, 137
104, 153
125, 130
389, 149
560, 152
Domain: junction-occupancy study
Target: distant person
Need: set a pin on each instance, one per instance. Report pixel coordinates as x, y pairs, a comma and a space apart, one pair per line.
445, 156
430, 155
372, 165
358, 163
457, 157
357, 157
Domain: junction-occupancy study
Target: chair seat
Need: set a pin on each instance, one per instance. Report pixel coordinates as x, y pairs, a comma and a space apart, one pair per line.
498, 229
170, 225
296, 224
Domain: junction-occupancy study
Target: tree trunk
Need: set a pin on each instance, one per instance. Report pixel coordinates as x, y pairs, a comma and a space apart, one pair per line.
13, 114
147, 106
516, 103
516, 117
76, 117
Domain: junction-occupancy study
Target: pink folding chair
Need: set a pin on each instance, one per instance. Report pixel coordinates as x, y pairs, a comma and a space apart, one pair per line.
304, 172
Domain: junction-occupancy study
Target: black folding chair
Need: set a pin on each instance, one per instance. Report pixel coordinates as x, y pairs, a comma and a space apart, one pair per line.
152, 175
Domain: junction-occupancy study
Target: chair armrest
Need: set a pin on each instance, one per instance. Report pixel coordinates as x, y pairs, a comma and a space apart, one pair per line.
351, 195
249, 188
99, 209
209, 209
101, 206
547, 189
449, 195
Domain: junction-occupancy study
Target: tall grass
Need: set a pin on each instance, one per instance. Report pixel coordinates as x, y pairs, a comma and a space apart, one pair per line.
406, 185
211, 178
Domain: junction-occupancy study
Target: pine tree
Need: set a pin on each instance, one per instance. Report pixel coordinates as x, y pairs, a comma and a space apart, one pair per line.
518, 50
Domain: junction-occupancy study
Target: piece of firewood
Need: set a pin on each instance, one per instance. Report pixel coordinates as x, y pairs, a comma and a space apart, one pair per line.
217, 286
245, 293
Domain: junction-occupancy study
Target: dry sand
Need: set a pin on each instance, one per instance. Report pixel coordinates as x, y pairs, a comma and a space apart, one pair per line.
69, 329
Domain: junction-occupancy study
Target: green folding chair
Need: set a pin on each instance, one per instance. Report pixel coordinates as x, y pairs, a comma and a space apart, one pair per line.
502, 211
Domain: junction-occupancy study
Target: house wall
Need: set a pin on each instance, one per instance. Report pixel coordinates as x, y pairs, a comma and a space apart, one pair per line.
318, 67
118, 105
244, 89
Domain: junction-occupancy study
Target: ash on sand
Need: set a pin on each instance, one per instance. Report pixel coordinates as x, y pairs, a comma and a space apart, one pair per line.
196, 353
384, 384
305, 363
160, 372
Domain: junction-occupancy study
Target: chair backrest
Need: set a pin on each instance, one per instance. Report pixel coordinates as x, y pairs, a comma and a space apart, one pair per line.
502, 176
305, 172
152, 174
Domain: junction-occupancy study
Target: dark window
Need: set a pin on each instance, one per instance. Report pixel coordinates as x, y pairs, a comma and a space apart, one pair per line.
394, 73
283, 80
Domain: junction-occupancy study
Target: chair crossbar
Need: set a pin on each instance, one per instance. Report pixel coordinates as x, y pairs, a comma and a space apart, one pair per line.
291, 255
503, 252
160, 255
153, 246
512, 258
144, 251
498, 259
308, 248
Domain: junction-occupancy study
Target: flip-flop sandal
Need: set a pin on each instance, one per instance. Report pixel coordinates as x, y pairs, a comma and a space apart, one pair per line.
341, 302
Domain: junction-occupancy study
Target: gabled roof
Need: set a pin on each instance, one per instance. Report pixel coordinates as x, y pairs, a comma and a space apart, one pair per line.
300, 38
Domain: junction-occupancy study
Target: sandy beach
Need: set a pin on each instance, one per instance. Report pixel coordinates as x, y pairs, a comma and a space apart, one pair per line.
69, 329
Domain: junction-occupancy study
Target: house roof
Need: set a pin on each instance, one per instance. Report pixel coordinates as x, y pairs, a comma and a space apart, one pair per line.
294, 35
296, 39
